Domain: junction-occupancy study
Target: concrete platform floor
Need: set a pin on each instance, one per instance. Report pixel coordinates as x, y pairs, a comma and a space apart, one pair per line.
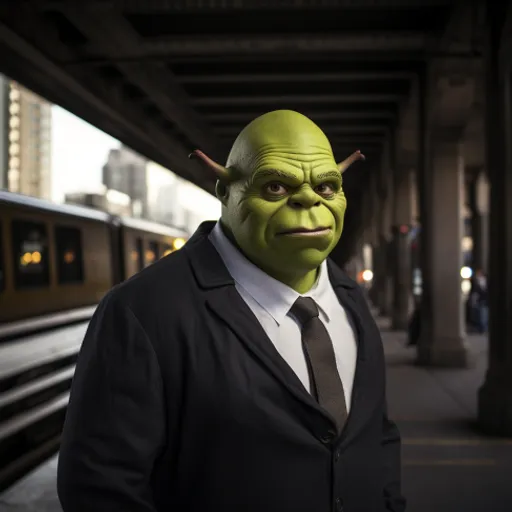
447, 465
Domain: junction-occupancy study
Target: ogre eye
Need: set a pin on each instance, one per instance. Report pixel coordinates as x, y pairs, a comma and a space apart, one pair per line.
325, 189
275, 189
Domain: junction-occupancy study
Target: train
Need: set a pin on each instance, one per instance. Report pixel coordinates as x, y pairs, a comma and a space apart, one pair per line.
58, 258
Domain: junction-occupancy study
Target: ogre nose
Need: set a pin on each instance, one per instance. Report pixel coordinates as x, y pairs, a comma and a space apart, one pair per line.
304, 199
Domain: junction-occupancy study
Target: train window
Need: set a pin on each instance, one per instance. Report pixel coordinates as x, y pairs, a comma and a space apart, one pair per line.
152, 253
2, 269
137, 254
69, 255
30, 254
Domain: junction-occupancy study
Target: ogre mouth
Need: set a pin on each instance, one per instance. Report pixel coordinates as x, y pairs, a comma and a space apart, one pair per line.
306, 231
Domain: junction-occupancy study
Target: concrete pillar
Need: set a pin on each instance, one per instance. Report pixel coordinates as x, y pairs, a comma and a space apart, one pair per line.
379, 273
353, 259
445, 344
359, 263
354, 265
385, 218
495, 396
385, 270
375, 292
447, 88
389, 263
402, 217
479, 205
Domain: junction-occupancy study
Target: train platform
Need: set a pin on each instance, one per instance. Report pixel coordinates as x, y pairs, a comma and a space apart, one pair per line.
447, 465
35, 376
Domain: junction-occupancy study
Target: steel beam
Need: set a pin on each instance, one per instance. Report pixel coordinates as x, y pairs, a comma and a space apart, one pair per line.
401, 61
158, 6
333, 130
29, 65
234, 78
275, 43
404, 60
109, 31
318, 116
295, 99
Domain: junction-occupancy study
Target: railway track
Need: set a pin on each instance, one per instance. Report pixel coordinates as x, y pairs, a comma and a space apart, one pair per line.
36, 372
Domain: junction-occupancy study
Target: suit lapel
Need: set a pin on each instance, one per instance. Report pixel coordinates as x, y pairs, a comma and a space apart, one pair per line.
364, 394
226, 303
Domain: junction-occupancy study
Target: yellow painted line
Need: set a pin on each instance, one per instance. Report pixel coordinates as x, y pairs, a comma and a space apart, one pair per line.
449, 462
455, 442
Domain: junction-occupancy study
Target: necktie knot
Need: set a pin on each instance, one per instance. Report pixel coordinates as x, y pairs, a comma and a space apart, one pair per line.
304, 309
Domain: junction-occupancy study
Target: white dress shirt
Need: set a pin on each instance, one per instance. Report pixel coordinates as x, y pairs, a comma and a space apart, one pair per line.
271, 300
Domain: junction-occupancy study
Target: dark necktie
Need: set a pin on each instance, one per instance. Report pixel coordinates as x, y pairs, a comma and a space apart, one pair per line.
325, 379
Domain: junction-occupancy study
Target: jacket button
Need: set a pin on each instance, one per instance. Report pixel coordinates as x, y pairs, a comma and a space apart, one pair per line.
337, 456
328, 437
339, 505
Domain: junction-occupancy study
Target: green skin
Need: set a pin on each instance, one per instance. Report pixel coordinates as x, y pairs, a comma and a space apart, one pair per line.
280, 177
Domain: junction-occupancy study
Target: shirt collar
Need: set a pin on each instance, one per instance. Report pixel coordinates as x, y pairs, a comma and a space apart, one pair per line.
272, 295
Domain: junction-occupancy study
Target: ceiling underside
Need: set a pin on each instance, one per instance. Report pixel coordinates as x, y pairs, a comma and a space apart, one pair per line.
166, 77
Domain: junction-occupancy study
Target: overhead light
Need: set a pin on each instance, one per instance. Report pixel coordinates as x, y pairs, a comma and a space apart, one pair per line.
367, 275
466, 272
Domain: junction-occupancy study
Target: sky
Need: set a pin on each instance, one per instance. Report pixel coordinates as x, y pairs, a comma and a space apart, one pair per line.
79, 151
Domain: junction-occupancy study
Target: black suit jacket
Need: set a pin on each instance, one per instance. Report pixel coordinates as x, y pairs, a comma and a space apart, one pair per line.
180, 402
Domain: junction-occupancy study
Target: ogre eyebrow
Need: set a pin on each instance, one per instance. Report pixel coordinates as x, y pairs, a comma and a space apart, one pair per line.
275, 172
328, 174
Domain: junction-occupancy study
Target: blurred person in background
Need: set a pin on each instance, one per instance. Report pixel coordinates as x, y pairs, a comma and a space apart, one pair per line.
479, 301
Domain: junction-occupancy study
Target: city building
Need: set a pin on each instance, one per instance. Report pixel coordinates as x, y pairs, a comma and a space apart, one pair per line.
28, 119
125, 171
110, 201
4, 130
165, 208
177, 202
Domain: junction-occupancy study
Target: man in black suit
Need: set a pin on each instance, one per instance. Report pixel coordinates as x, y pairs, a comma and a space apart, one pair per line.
244, 372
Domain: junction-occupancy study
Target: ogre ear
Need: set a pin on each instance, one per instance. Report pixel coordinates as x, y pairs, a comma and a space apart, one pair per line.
223, 173
356, 155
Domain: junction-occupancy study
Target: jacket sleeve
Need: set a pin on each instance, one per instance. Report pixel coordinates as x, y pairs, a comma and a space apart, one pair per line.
115, 422
391, 444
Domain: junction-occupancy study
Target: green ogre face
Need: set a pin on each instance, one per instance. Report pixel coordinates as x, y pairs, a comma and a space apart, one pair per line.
286, 207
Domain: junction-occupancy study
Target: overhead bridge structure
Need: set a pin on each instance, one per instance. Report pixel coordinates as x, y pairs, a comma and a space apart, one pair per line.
422, 87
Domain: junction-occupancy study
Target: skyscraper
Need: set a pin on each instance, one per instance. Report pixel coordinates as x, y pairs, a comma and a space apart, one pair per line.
29, 142
125, 171
4, 130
